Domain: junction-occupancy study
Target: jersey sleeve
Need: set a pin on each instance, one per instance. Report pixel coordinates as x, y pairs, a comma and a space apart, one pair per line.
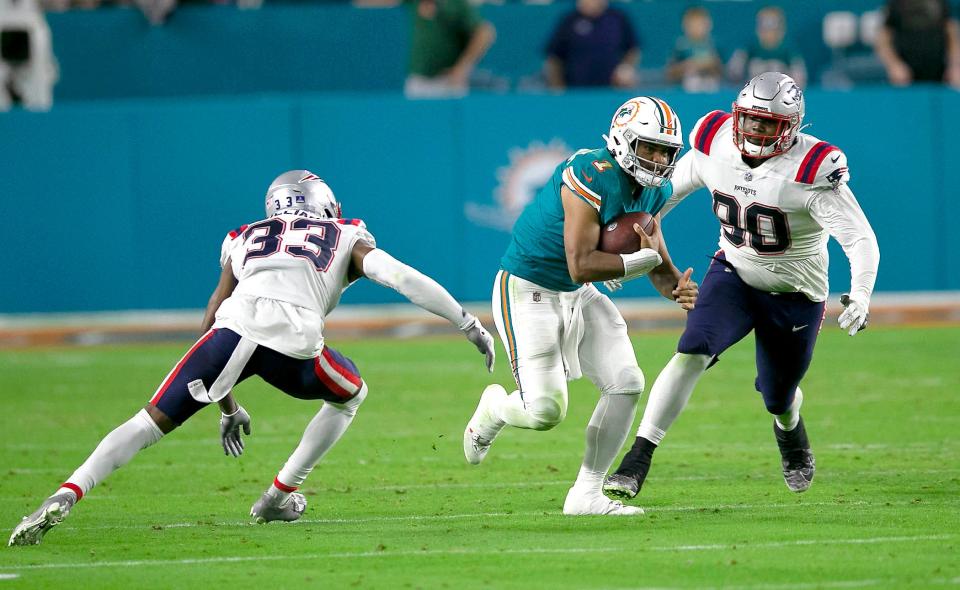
362, 233
706, 129
823, 166
586, 178
231, 241
838, 212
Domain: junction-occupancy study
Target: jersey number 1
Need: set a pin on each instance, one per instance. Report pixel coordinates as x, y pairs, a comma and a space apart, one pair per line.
319, 244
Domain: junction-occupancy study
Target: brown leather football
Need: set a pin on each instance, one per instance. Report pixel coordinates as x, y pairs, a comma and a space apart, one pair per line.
619, 237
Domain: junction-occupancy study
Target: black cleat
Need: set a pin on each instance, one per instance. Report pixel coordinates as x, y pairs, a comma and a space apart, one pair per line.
621, 486
796, 457
626, 482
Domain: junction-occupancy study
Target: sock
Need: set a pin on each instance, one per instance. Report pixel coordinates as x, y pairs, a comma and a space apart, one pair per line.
789, 419
113, 452
670, 394
321, 434
636, 463
606, 431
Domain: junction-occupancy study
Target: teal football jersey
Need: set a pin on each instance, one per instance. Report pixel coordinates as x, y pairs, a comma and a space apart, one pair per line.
536, 249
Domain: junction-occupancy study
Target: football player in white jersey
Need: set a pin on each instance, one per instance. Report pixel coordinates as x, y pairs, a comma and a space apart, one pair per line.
779, 195
281, 277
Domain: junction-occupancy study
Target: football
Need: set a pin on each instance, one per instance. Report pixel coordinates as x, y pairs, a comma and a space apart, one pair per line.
619, 237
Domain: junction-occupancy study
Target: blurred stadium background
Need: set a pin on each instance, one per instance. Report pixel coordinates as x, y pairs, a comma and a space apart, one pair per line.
164, 136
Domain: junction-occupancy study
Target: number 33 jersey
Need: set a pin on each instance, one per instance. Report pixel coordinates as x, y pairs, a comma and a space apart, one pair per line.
291, 270
776, 219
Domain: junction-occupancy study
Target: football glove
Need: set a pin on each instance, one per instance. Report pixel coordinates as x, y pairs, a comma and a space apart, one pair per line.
481, 339
855, 316
230, 425
613, 285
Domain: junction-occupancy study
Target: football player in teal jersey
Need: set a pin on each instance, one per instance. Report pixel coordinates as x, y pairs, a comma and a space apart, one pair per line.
554, 323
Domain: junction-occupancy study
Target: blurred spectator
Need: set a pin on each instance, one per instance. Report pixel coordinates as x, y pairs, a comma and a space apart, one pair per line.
593, 46
448, 40
695, 62
28, 69
919, 42
771, 52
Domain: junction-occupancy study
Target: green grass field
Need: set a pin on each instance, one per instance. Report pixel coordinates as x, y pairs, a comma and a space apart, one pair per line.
395, 505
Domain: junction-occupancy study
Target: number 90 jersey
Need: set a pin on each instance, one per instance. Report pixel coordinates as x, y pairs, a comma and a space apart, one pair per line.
772, 217
291, 270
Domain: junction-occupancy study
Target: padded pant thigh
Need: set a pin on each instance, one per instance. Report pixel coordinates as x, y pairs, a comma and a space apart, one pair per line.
529, 321
723, 315
607, 357
331, 376
786, 334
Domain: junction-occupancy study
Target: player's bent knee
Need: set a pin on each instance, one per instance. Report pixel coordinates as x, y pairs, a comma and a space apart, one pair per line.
778, 405
630, 381
163, 422
351, 405
547, 411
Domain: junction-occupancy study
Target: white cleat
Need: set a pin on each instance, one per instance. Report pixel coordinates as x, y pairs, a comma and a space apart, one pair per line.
579, 503
484, 426
32, 528
266, 509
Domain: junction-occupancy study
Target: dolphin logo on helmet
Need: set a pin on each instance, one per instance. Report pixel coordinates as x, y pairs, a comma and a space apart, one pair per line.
301, 190
645, 119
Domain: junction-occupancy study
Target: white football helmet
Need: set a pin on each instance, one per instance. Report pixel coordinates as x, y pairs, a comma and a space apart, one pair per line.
774, 96
301, 190
649, 120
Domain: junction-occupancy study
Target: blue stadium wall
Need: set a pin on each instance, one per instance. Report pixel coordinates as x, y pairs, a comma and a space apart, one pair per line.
123, 204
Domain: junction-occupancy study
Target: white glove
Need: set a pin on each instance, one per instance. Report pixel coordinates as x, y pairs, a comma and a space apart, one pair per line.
613, 285
482, 339
230, 425
855, 316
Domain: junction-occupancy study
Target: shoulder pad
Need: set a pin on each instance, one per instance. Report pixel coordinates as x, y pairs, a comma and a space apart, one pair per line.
357, 222
823, 164
362, 232
583, 176
236, 232
229, 241
706, 129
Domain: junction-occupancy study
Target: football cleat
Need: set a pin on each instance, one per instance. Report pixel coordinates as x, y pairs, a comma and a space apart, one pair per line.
796, 458
266, 509
32, 528
483, 427
620, 485
580, 503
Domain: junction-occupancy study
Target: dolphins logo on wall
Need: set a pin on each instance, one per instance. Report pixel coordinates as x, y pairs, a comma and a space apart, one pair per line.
518, 182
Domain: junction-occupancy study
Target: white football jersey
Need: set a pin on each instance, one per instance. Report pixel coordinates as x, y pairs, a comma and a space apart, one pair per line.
776, 219
291, 270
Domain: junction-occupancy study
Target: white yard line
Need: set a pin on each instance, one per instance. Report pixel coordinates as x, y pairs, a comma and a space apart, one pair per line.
542, 513
478, 552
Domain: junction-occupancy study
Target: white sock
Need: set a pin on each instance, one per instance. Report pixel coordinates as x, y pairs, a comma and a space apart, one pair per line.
113, 452
321, 434
607, 430
670, 393
789, 420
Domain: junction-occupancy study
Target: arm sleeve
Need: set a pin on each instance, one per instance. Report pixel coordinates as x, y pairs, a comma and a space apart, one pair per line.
686, 179
421, 290
838, 212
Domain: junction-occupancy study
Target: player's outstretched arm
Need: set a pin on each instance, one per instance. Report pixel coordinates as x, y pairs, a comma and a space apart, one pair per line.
581, 236
838, 212
422, 291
